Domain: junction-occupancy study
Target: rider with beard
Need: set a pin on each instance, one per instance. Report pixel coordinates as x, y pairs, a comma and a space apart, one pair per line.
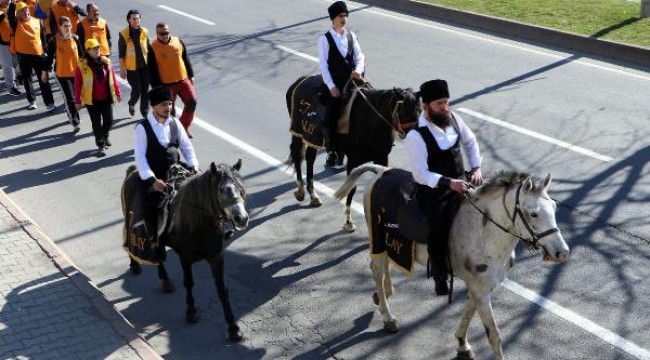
435, 156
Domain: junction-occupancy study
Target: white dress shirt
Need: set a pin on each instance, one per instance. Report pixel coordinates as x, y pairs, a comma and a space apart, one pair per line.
163, 134
446, 138
341, 42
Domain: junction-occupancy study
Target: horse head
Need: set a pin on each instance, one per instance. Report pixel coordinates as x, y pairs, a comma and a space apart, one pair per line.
537, 224
230, 193
407, 110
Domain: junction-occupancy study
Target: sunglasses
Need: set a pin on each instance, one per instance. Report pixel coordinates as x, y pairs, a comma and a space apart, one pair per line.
165, 33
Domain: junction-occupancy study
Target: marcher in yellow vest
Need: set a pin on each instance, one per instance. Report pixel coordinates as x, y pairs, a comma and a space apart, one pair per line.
7, 59
169, 65
67, 8
96, 87
96, 28
132, 47
30, 52
65, 47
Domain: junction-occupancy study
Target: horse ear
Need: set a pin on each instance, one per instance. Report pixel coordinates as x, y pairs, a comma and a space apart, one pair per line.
237, 165
547, 181
528, 184
213, 168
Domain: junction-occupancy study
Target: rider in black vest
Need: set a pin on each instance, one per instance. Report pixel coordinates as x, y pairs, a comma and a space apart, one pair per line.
158, 140
340, 58
434, 150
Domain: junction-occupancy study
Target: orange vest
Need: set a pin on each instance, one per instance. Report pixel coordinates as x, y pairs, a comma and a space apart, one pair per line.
98, 32
67, 56
5, 28
129, 62
28, 37
59, 10
87, 80
169, 57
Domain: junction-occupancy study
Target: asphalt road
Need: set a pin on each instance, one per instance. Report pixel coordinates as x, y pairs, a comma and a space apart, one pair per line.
302, 287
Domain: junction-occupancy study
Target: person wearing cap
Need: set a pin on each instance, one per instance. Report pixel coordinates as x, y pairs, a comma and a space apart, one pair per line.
96, 87
29, 41
159, 141
7, 59
169, 65
95, 27
434, 151
340, 57
132, 45
66, 49
65, 8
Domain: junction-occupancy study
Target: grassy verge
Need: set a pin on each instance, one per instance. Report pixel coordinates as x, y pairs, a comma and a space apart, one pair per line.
614, 20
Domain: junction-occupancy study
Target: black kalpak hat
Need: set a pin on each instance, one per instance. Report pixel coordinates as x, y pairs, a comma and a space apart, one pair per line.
336, 9
159, 94
433, 90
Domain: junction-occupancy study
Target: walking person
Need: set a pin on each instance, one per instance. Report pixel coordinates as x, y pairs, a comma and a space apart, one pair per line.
133, 44
96, 87
169, 65
7, 59
434, 151
66, 49
340, 57
65, 8
29, 40
95, 27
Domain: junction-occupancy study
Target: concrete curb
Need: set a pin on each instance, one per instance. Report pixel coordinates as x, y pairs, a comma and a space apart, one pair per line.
602, 49
121, 325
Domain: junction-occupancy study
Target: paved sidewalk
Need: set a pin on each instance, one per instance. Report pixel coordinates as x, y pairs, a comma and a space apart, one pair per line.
48, 308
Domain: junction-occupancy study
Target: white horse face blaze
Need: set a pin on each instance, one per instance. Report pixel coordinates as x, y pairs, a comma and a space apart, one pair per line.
235, 211
540, 213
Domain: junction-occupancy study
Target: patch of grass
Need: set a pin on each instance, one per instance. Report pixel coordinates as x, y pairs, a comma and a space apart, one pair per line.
613, 20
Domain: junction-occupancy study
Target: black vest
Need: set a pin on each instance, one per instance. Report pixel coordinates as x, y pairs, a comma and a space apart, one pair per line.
444, 162
340, 67
161, 158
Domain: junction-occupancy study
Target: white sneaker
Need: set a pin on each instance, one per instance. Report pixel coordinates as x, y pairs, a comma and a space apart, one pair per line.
32, 106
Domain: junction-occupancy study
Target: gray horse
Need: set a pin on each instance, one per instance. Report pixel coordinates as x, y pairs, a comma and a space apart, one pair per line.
509, 207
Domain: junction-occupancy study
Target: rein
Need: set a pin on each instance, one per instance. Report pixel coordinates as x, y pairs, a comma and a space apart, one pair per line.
534, 243
394, 116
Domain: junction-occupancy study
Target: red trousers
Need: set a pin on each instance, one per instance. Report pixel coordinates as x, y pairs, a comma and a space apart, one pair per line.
185, 90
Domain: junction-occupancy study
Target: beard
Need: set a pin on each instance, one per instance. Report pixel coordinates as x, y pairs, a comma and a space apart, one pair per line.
442, 120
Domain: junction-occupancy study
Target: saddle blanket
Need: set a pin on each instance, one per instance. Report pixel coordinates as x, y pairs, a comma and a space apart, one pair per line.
306, 111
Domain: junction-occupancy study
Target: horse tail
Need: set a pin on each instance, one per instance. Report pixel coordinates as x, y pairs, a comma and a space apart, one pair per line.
131, 169
354, 176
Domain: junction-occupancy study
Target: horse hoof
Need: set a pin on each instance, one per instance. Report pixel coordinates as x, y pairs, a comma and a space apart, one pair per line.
375, 298
234, 335
168, 286
465, 355
300, 195
391, 326
192, 317
135, 268
316, 202
349, 227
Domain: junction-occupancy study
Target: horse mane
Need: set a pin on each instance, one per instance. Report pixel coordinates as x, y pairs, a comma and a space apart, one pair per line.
192, 208
506, 179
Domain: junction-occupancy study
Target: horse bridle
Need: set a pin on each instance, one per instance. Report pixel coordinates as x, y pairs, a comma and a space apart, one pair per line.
534, 241
396, 124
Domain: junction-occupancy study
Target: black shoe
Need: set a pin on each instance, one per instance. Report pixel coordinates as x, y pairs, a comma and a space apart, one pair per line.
100, 151
190, 135
331, 159
339, 161
131, 110
441, 285
15, 92
107, 142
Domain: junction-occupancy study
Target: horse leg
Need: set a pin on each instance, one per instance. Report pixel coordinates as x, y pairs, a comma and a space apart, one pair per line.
310, 157
378, 265
134, 266
349, 224
217, 273
167, 285
296, 156
484, 309
464, 351
191, 314
388, 281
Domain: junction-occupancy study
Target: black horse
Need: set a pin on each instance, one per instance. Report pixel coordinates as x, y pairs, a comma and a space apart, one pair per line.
375, 116
201, 211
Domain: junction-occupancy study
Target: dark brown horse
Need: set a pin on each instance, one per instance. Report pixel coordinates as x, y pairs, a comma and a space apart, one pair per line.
201, 211
375, 116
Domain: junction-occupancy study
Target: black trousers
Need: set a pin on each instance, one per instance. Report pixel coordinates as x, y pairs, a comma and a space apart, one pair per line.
332, 115
101, 117
67, 86
139, 81
38, 64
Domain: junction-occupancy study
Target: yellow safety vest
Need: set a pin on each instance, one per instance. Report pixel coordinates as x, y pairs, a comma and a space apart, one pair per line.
87, 80
28, 37
98, 32
67, 57
169, 58
129, 62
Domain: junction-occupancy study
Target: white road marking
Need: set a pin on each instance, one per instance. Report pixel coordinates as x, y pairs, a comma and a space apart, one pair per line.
165, 7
